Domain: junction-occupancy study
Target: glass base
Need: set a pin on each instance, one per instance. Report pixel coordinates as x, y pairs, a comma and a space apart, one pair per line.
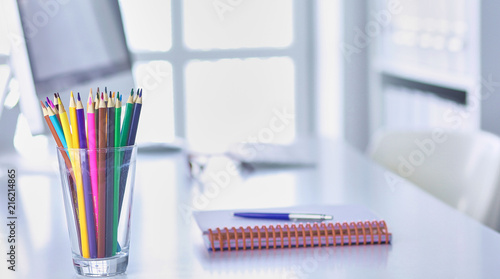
101, 267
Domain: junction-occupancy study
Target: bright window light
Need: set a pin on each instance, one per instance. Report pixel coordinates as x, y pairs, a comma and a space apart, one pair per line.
157, 119
234, 100
224, 24
147, 24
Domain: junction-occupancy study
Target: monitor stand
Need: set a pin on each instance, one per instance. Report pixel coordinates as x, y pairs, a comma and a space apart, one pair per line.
8, 120
8, 123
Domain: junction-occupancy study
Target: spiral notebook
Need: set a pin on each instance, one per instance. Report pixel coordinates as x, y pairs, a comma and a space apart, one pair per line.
351, 225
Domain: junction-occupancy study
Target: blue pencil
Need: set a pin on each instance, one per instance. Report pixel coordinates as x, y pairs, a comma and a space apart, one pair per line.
130, 141
135, 120
57, 126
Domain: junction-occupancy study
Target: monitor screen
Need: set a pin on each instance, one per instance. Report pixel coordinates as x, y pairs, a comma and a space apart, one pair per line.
72, 42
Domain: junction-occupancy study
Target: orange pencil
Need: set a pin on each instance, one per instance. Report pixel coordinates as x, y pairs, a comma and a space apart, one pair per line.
67, 161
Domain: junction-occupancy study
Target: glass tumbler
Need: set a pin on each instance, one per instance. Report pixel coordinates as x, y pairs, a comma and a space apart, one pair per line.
98, 186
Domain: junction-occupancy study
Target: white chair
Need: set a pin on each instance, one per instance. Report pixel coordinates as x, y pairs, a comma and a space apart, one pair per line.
461, 169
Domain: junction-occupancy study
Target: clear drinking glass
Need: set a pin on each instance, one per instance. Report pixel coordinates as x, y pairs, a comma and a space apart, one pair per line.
98, 186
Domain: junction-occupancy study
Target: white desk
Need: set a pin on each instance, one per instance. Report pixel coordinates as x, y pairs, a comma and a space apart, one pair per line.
430, 239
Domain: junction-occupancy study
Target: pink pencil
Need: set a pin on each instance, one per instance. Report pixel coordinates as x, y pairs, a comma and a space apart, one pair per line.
93, 157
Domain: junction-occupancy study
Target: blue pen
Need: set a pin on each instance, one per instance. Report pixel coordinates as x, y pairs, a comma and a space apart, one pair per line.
284, 216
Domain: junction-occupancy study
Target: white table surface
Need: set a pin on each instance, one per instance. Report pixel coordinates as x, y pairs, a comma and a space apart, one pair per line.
430, 239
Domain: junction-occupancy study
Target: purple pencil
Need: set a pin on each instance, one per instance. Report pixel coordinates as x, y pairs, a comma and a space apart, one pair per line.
87, 185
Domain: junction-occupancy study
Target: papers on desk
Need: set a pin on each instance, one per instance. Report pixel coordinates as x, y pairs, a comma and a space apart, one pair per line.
264, 155
351, 224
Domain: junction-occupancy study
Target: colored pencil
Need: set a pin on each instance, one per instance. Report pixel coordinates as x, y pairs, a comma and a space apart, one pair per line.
93, 157
78, 177
55, 135
87, 185
72, 188
56, 103
129, 107
135, 120
66, 129
106, 96
131, 137
116, 192
101, 249
126, 121
54, 109
57, 126
137, 96
96, 111
63, 117
130, 141
110, 176
57, 108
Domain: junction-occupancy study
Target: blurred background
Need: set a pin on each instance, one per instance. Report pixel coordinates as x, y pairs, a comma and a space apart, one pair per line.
220, 72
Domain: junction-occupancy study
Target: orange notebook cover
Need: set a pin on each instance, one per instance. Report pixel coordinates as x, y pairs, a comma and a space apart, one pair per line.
351, 225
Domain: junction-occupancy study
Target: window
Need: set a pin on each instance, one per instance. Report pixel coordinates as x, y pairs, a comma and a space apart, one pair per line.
218, 71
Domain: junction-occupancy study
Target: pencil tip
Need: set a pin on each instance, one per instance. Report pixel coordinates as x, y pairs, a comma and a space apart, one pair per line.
132, 92
41, 102
78, 97
102, 96
106, 89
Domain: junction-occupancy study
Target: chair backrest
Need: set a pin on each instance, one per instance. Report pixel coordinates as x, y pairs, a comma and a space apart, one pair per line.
461, 169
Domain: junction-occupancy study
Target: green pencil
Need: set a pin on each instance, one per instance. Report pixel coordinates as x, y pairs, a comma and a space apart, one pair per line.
123, 142
126, 121
116, 195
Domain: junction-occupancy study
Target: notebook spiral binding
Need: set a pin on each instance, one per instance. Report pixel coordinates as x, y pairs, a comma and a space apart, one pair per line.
318, 234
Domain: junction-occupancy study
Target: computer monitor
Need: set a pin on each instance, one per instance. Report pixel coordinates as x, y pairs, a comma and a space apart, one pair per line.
62, 45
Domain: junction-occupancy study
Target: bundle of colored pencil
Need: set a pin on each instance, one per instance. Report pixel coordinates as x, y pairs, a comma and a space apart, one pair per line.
96, 178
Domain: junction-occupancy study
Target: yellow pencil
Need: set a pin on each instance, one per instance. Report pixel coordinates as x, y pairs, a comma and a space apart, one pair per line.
82, 217
65, 124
